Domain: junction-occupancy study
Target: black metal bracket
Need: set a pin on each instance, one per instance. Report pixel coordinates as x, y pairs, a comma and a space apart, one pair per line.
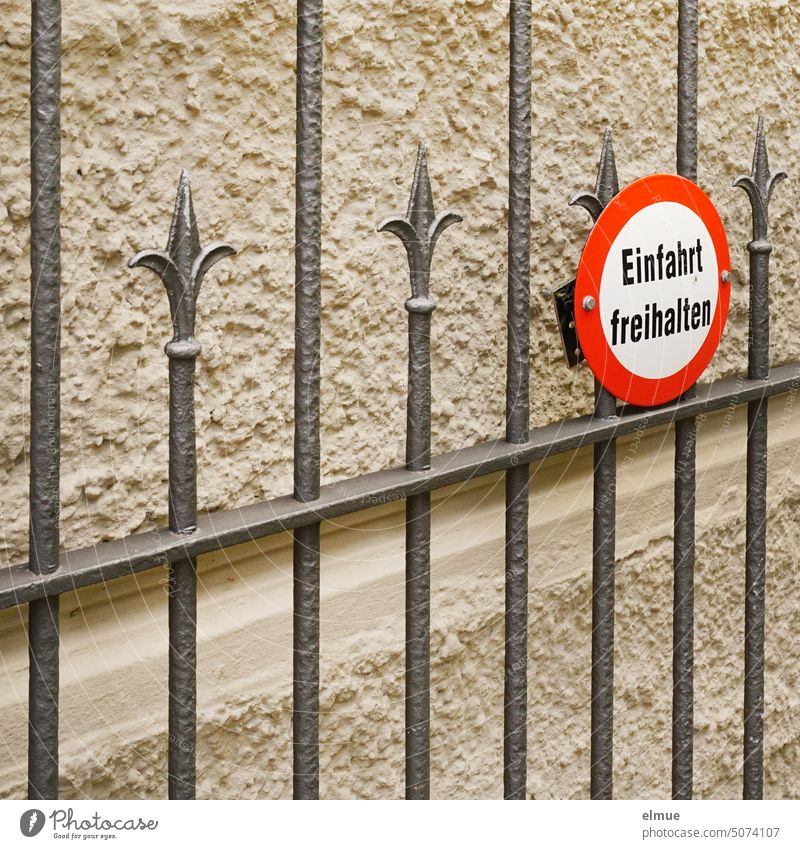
564, 302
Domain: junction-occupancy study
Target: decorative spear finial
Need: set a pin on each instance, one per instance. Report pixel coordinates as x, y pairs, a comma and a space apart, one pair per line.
181, 267
420, 229
760, 184
607, 184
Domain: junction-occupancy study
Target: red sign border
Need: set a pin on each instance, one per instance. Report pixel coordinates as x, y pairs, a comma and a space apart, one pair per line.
616, 378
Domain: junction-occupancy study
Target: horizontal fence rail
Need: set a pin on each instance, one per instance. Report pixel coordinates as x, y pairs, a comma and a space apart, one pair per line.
192, 533
139, 552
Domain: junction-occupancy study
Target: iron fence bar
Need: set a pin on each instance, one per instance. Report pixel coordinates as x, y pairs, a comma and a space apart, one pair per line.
759, 186
45, 425
306, 552
418, 649
687, 89
418, 231
305, 712
603, 541
685, 454
182, 681
683, 610
182, 599
43, 675
418, 553
181, 267
517, 403
139, 552
603, 533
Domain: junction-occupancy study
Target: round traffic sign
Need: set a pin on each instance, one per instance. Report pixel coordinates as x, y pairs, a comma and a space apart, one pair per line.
652, 290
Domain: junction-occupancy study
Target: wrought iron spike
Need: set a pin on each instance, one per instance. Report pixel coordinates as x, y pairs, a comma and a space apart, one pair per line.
418, 232
182, 266
420, 211
607, 183
606, 186
421, 228
759, 184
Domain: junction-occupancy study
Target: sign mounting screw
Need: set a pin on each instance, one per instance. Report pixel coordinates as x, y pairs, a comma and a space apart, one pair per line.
726, 277
588, 303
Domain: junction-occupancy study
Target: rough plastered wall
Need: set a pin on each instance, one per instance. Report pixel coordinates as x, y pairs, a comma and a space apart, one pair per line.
208, 84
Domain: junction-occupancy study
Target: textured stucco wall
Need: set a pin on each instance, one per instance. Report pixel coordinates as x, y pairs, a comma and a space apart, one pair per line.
208, 84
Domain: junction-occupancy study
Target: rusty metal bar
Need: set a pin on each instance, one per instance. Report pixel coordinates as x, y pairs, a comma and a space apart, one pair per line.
419, 231
685, 454
181, 267
759, 186
603, 533
517, 402
137, 553
43, 536
308, 212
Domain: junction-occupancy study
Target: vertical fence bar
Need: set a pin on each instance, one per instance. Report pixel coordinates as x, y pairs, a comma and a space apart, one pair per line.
603, 534
308, 212
685, 454
517, 404
418, 543
419, 231
603, 541
683, 611
181, 268
182, 615
43, 535
418, 552
687, 89
759, 186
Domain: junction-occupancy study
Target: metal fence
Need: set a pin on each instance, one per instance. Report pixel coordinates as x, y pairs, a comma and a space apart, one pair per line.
182, 266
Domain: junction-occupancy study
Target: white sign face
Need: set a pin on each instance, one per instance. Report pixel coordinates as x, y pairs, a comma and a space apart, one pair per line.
658, 292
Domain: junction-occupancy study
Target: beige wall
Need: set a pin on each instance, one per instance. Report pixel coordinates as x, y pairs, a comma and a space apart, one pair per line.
209, 84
